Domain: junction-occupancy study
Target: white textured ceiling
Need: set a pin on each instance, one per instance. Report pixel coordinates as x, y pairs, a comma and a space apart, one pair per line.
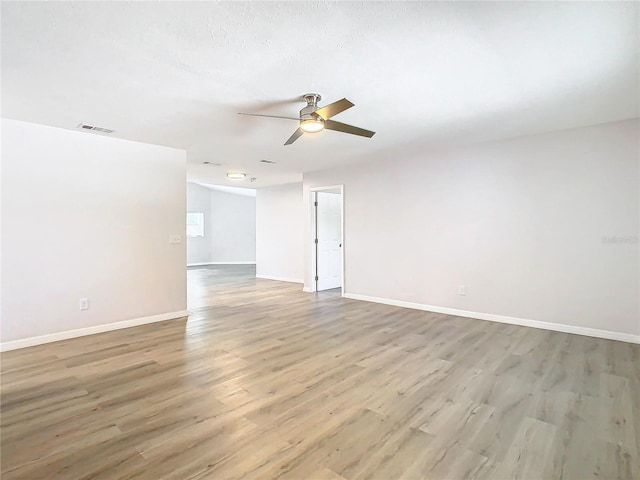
247, 192
422, 75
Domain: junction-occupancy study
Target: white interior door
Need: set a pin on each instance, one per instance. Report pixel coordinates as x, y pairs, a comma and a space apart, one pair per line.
329, 236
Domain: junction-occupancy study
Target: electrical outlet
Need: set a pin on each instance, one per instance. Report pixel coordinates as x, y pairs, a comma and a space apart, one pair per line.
84, 304
461, 290
175, 238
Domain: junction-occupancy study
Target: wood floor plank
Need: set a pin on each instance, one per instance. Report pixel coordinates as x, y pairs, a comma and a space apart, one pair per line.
264, 381
529, 451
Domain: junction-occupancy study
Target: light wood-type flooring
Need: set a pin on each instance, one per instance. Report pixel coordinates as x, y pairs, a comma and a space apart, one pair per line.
264, 381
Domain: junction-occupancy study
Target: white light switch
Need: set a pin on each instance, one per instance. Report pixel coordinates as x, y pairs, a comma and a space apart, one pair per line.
175, 238
461, 290
84, 304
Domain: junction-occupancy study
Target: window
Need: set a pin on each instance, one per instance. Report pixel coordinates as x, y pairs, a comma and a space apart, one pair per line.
195, 224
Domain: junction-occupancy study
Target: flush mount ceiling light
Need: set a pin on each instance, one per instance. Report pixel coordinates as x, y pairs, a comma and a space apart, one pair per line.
236, 175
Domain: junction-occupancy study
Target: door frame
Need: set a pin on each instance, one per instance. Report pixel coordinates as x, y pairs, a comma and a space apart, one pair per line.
311, 240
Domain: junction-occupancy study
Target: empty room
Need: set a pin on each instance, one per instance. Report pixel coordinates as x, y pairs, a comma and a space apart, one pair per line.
320, 240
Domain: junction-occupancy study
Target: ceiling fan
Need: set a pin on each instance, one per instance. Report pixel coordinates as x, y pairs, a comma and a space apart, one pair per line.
314, 119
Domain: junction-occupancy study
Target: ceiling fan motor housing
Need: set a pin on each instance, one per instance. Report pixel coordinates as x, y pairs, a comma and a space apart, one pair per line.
312, 100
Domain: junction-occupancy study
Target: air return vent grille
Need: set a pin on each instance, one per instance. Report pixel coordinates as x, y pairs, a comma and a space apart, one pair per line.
84, 126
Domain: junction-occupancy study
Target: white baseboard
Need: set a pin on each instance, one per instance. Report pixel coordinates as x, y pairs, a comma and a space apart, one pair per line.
558, 327
81, 332
309, 290
219, 263
280, 279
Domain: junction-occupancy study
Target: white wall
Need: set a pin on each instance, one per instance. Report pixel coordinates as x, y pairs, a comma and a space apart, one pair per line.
229, 227
233, 228
87, 216
280, 217
199, 200
519, 223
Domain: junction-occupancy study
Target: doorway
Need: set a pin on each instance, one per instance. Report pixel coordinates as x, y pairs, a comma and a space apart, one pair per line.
327, 241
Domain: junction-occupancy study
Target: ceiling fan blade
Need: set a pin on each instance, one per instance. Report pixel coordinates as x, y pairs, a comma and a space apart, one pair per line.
297, 134
269, 105
270, 116
334, 108
343, 127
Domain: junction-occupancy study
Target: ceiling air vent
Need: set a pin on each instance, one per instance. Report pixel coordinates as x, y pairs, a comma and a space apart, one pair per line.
267, 161
84, 126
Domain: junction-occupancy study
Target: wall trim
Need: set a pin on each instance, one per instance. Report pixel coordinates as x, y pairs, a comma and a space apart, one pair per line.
81, 332
310, 290
280, 279
219, 263
523, 322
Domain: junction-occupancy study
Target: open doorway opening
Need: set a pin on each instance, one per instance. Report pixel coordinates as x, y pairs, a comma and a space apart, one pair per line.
221, 240
327, 237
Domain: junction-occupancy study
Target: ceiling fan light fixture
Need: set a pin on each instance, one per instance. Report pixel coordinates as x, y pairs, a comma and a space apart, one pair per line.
312, 125
236, 175
314, 119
